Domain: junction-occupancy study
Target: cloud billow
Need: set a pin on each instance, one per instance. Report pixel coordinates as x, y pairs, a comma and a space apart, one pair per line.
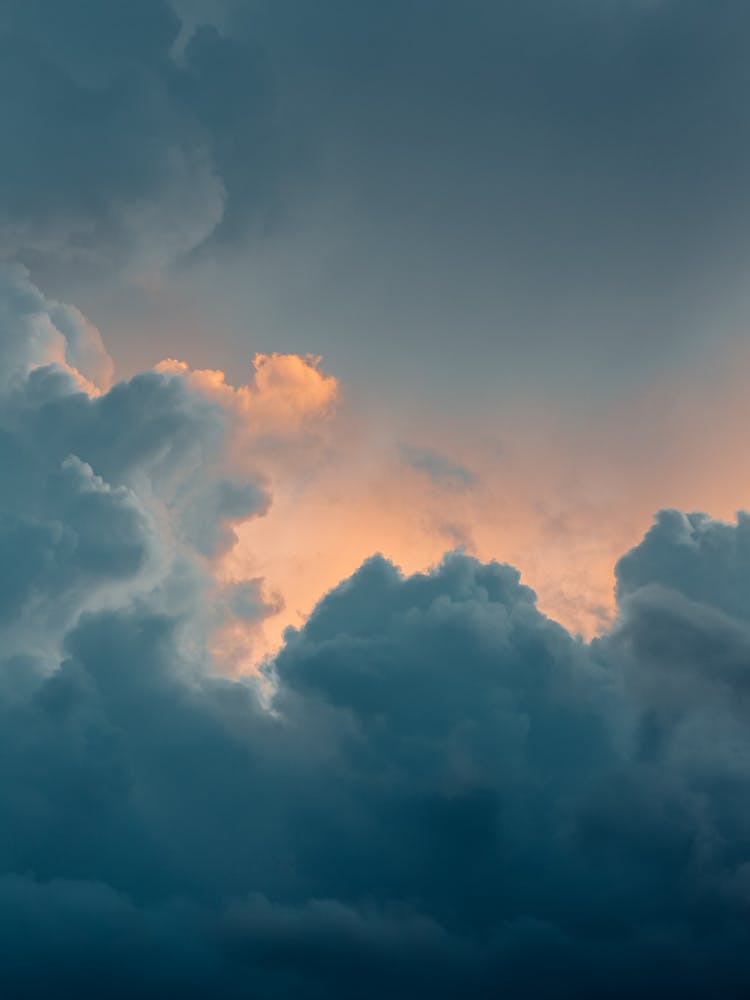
432, 790
114, 161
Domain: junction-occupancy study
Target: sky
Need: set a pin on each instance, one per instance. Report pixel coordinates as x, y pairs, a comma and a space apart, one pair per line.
373, 559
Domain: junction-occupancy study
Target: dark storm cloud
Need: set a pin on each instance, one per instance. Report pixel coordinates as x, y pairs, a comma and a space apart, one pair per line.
572, 130
115, 153
451, 796
707, 561
433, 789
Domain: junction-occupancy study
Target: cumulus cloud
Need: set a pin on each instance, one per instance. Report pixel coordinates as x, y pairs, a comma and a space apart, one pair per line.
703, 559
105, 492
433, 788
35, 331
450, 794
286, 393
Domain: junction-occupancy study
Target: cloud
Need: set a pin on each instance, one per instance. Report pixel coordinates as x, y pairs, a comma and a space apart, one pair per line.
35, 331
286, 393
703, 559
481, 221
109, 164
451, 793
439, 468
105, 492
432, 788
499, 155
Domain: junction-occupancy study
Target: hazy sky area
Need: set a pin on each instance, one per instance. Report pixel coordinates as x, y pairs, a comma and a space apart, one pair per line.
526, 199
374, 564
504, 227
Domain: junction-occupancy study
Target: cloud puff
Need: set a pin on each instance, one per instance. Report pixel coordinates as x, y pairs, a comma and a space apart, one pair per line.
35, 331
286, 392
705, 560
105, 491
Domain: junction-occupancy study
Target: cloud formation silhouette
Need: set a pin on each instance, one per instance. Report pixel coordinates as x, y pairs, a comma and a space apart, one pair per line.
433, 789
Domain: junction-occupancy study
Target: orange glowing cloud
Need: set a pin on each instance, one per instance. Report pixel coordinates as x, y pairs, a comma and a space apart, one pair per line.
560, 497
286, 391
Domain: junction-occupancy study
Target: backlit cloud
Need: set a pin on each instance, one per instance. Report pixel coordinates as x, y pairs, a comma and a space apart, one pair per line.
432, 789
279, 717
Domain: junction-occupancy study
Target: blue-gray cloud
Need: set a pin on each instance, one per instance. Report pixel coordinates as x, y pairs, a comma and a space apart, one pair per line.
432, 790
107, 164
439, 468
452, 794
104, 493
